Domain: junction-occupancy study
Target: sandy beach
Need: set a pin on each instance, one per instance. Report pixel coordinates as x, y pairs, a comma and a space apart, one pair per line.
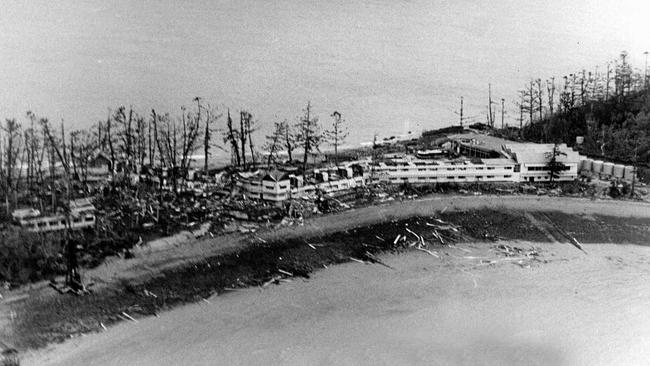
575, 309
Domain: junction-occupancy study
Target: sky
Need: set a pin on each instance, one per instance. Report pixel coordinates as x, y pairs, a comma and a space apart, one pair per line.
387, 66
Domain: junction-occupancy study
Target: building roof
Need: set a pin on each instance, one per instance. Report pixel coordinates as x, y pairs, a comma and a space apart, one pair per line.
81, 204
23, 213
275, 176
522, 152
540, 153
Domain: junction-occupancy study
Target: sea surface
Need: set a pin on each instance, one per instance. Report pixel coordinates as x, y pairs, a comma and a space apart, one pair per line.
387, 66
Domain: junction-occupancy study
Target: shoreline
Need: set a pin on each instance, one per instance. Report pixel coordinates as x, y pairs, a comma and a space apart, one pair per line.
423, 310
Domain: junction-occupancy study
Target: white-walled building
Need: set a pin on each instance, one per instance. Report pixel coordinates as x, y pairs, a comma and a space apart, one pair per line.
509, 162
533, 158
279, 186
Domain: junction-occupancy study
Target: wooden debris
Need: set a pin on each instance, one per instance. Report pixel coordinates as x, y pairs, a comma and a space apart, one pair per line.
411, 231
129, 317
285, 272
380, 238
373, 258
428, 251
272, 280
357, 260
397, 238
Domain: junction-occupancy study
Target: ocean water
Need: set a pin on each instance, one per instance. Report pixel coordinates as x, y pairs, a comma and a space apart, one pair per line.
387, 66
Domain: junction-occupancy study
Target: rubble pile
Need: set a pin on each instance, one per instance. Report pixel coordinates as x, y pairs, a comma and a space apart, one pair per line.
519, 256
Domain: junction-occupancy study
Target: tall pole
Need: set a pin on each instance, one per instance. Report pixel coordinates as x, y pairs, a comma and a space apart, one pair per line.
645, 75
636, 145
490, 119
502, 111
461, 111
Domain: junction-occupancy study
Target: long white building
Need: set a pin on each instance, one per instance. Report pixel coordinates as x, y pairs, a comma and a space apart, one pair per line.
518, 162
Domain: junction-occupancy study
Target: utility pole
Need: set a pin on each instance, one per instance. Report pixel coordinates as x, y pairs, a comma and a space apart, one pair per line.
645, 75
461, 111
502, 112
607, 76
490, 118
636, 145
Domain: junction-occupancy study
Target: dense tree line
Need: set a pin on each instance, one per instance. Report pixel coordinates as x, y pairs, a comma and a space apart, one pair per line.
610, 108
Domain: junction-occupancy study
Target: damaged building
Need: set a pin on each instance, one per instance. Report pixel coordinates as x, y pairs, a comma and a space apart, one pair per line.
278, 186
482, 159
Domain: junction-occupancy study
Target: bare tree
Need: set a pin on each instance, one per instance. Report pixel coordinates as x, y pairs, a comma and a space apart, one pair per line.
242, 136
289, 140
274, 141
337, 134
550, 93
231, 137
13, 143
308, 135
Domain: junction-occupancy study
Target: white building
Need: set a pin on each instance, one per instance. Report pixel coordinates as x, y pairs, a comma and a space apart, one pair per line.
279, 186
418, 171
82, 215
532, 160
518, 162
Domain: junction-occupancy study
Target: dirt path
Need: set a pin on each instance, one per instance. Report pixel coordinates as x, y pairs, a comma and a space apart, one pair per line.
147, 263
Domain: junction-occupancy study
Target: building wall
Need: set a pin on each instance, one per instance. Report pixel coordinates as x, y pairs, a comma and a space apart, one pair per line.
281, 191
426, 172
539, 173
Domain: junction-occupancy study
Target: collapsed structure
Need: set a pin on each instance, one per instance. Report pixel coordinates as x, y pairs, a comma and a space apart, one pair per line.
81, 215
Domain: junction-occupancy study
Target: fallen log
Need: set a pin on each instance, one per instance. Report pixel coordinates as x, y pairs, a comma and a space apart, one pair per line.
427, 251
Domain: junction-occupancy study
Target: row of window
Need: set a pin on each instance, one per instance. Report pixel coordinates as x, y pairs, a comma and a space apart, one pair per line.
460, 177
449, 169
545, 169
57, 223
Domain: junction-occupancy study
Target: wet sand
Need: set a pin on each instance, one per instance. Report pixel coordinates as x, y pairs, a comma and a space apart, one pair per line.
577, 309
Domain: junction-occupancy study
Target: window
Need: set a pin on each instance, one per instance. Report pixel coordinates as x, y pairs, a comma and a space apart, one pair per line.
42, 224
490, 176
479, 168
490, 168
507, 176
452, 178
450, 168
422, 178
508, 168
517, 168
90, 218
422, 170
461, 177
479, 177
